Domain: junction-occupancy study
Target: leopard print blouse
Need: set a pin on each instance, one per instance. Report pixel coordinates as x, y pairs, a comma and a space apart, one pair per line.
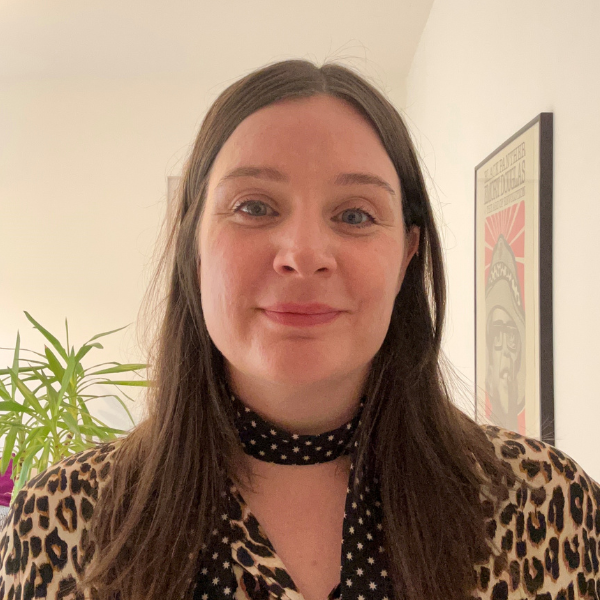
547, 541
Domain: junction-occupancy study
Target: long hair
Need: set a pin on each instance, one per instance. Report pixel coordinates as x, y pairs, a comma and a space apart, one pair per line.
433, 462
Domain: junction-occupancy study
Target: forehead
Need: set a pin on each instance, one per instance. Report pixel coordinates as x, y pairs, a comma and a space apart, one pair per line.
320, 134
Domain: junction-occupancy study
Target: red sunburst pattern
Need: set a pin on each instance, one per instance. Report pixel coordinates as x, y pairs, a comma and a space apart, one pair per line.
509, 222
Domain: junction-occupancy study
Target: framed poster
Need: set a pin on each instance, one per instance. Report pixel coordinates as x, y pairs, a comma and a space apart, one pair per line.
514, 373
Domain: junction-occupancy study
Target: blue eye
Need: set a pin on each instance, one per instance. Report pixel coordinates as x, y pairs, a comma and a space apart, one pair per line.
243, 204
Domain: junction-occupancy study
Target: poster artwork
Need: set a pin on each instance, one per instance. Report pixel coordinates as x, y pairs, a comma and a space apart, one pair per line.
513, 283
505, 309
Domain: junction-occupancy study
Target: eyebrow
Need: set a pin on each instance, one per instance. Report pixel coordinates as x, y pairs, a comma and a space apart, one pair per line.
275, 175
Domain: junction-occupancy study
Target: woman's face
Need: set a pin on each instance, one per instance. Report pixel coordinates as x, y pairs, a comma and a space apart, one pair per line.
303, 238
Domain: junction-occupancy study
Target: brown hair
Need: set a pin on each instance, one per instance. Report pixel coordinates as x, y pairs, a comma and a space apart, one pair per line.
433, 462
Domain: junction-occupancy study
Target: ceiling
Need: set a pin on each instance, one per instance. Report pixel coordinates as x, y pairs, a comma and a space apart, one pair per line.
204, 40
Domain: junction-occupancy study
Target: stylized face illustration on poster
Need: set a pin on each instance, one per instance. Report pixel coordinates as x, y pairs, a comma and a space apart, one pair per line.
505, 319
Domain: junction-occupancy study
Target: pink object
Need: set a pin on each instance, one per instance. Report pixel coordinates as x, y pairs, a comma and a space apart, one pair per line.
6, 486
301, 320
306, 309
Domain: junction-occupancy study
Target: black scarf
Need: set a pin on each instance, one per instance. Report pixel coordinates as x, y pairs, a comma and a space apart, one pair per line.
364, 571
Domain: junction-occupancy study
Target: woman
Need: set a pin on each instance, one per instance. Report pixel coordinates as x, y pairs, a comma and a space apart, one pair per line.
295, 456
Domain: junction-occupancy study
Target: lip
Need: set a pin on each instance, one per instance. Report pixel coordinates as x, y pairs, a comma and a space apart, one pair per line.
300, 319
304, 309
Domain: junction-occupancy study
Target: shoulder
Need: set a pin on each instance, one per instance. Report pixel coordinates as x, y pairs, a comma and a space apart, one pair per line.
538, 462
545, 534
44, 546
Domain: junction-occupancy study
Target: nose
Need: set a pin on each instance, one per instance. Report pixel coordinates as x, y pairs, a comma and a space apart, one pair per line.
305, 244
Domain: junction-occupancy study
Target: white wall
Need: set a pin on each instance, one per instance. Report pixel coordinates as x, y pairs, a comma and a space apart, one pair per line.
481, 72
83, 191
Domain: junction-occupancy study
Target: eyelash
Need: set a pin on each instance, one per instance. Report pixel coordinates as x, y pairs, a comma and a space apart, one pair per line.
237, 207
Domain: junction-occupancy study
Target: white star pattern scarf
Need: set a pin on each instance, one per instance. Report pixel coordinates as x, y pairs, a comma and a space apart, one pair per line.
364, 570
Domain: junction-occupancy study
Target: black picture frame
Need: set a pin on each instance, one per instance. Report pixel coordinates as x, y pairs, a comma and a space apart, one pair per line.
514, 357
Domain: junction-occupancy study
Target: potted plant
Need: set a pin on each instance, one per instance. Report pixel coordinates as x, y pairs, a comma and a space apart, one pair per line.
43, 405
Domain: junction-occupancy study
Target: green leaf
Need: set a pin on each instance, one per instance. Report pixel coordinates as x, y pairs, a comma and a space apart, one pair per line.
36, 379
71, 361
54, 364
127, 396
3, 391
112, 362
83, 408
23, 369
43, 460
29, 447
71, 422
25, 470
105, 430
15, 367
101, 432
106, 333
51, 394
85, 349
24, 350
15, 407
126, 409
39, 387
89, 383
5, 425
86, 417
33, 434
120, 369
9, 443
42, 414
47, 335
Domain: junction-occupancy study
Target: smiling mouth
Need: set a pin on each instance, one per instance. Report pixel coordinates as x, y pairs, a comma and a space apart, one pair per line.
301, 319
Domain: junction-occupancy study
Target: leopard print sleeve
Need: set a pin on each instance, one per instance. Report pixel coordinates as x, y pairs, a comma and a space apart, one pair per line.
44, 545
545, 536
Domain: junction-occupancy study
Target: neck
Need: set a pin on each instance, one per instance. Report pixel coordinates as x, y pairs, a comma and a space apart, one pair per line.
309, 409
255, 477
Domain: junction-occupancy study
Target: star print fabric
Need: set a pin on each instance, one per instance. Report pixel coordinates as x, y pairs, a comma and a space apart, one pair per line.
266, 442
241, 563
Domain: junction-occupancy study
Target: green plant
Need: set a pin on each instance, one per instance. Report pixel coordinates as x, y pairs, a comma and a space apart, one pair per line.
53, 420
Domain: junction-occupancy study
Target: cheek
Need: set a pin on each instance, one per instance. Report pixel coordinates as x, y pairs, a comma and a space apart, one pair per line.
376, 277
228, 281
221, 291
374, 283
